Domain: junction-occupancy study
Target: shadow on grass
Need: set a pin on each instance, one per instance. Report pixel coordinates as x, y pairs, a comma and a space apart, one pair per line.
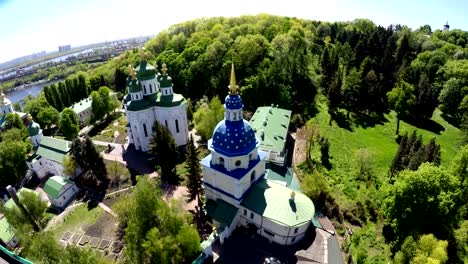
369, 120
341, 119
426, 124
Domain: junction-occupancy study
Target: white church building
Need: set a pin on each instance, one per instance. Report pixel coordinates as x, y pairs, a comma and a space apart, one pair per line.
151, 98
236, 187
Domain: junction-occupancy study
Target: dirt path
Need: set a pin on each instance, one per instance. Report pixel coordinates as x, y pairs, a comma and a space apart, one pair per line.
300, 146
107, 209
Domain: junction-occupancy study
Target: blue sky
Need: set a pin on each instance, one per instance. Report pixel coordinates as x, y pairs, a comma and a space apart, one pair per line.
28, 26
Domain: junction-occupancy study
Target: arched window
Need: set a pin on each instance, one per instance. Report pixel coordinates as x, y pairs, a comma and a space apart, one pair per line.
238, 163
252, 176
151, 89
144, 129
144, 87
250, 156
177, 125
221, 161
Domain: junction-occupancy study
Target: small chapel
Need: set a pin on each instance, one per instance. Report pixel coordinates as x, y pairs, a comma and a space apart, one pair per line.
151, 98
237, 188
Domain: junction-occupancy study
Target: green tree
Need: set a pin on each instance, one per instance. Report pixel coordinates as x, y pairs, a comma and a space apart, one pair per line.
101, 103
48, 116
35, 207
207, 117
194, 183
35, 105
401, 99
117, 173
427, 250
428, 193
451, 97
325, 152
163, 151
156, 231
461, 239
69, 123
13, 152
69, 166
13, 120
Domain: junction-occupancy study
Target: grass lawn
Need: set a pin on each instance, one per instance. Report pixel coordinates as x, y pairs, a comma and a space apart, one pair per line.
78, 221
117, 124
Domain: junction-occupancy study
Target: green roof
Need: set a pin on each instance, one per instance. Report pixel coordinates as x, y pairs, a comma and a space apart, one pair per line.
274, 123
134, 86
145, 71
53, 149
33, 129
283, 175
138, 105
273, 201
169, 100
165, 81
6, 232
221, 211
54, 185
82, 105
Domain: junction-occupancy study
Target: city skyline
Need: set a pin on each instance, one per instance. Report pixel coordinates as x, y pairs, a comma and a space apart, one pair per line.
36, 26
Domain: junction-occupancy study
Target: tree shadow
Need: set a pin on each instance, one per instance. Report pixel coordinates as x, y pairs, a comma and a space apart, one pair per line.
423, 123
369, 120
341, 120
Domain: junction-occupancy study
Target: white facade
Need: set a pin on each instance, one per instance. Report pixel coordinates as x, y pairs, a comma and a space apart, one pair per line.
42, 167
66, 195
35, 140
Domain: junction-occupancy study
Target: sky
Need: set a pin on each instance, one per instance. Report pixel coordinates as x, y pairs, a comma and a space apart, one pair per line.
30, 26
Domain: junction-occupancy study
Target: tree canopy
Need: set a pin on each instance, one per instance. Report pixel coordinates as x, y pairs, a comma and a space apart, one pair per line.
69, 124
156, 231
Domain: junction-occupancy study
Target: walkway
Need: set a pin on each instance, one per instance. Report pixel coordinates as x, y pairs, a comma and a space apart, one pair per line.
107, 209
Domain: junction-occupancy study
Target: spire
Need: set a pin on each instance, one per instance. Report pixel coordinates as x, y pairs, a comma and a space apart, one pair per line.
233, 85
131, 72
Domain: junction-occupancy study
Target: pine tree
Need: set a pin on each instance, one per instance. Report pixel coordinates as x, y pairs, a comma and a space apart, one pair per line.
324, 150
397, 163
164, 152
194, 184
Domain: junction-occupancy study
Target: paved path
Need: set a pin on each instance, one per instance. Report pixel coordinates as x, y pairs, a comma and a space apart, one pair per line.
107, 209
196, 138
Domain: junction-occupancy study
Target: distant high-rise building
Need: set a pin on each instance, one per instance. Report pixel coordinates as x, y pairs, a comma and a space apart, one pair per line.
446, 26
64, 48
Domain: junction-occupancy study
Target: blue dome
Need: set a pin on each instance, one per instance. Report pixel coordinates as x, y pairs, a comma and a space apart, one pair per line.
233, 101
233, 138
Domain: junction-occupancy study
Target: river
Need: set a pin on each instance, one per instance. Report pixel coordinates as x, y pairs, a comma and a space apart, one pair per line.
33, 90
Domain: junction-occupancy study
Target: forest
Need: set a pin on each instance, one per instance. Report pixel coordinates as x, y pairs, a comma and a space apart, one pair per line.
383, 110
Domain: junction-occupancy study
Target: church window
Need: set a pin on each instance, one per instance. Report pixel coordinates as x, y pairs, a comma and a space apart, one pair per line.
144, 87
221, 161
177, 125
252, 176
165, 121
151, 89
250, 156
295, 230
293, 239
251, 215
238, 163
245, 212
144, 129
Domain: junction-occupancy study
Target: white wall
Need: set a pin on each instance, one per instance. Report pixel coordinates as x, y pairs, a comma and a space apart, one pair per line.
136, 120
43, 166
145, 86
35, 140
65, 196
170, 114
